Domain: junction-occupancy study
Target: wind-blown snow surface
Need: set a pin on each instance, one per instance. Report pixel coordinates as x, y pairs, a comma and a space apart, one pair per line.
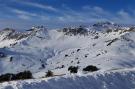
124, 79
40, 50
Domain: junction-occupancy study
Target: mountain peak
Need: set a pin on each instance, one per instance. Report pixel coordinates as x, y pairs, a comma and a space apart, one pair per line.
38, 31
104, 23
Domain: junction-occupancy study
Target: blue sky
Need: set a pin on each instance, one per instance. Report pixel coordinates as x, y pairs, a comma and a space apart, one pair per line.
23, 14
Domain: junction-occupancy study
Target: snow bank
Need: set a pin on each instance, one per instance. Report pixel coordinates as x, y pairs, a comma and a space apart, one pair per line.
108, 80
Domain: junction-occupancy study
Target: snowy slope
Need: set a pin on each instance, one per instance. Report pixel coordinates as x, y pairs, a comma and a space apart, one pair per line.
119, 79
105, 45
106, 50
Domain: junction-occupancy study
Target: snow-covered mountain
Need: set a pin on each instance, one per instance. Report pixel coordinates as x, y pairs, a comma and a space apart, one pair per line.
106, 45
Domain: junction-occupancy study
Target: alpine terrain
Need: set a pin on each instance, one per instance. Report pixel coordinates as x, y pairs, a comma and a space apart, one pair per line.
99, 56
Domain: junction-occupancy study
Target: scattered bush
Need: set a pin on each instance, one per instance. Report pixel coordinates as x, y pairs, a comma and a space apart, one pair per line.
6, 77
114, 40
49, 73
2, 55
98, 54
73, 69
71, 61
93, 44
11, 59
66, 55
65, 29
43, 66
21, 75
86, 55
62, 66
78, 62
96, 37
109, 30
72, 52
78, 50
90, 68
59, 67
24, 75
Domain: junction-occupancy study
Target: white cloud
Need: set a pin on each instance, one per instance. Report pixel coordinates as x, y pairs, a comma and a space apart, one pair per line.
85, 15
41, 6
25, 17
90, 14
123, 17
99, 10
67, 15
124, 14
21, 12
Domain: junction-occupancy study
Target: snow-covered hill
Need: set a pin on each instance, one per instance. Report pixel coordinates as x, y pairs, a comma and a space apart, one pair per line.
105, 45
119, 79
